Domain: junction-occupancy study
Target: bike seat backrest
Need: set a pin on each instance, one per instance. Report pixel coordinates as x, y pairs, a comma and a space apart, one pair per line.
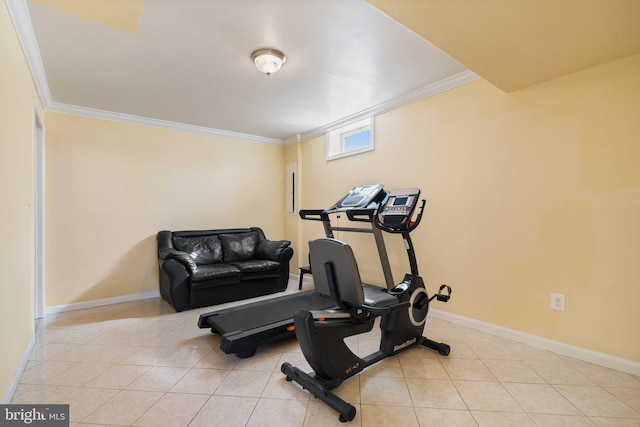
342, 265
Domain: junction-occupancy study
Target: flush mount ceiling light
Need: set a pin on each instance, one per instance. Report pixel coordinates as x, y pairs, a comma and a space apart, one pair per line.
268, 60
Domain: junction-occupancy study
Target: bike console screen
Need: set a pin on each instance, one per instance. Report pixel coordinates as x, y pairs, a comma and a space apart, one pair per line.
397, 211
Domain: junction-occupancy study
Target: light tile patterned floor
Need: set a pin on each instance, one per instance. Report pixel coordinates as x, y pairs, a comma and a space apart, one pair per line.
142, 364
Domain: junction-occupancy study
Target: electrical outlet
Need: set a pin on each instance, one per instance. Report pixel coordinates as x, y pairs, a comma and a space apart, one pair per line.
557, 302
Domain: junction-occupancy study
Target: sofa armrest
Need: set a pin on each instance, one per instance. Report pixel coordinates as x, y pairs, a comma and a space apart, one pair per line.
271, 249
182, 257
175, 283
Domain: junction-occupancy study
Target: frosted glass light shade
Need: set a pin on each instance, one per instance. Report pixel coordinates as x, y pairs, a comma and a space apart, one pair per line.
268, 60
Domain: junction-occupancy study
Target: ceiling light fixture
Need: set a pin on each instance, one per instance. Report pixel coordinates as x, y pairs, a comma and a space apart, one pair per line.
268, 60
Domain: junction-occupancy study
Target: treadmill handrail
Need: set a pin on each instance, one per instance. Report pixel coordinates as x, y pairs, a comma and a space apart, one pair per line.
314, 214
362, 215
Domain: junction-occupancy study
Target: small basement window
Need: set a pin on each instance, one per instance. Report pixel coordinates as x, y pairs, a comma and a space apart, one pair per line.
351, 139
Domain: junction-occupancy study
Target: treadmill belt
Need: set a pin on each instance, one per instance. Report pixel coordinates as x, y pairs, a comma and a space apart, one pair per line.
266, 312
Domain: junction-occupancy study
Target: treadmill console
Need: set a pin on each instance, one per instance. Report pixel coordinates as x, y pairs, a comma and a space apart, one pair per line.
360, 197
396, 213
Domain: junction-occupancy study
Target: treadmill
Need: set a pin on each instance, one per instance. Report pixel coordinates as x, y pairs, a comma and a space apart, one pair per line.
360, 205
244, 327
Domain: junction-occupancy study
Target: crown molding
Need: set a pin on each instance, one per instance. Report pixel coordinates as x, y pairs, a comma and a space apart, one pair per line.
413, 96
58, 107
19, 15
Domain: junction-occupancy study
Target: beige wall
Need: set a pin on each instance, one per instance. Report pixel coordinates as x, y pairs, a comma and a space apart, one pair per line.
528, 193
17, 97
112, 186
531, 192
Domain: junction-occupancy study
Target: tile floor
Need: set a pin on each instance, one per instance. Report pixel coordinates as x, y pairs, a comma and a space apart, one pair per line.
142, 364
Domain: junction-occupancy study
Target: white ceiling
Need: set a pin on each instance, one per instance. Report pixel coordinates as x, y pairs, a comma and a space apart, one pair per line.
188, 62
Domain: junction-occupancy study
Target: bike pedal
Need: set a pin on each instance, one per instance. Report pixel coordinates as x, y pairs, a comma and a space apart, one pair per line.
444, 297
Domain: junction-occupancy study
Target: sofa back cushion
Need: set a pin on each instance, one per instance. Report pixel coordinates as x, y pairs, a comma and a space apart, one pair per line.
203, 249
239, 246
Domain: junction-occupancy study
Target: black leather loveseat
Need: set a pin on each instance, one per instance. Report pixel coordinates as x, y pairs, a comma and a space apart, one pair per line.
207, 267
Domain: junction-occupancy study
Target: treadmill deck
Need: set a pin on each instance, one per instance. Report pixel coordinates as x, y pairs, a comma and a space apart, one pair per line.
265, 312
244, 327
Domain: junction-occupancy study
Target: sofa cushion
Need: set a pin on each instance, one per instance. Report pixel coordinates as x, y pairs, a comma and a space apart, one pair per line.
238, 247
203, 249
215, 271
252, 266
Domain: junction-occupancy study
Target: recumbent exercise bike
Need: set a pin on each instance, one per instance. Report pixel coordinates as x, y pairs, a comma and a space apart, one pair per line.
403, 309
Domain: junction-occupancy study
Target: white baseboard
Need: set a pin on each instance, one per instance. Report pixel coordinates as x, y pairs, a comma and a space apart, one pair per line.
18, 374
100, 302
602, 359
579, 353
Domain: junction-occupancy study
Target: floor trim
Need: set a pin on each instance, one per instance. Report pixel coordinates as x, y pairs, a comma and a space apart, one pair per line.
602, 359
18, 374
558, 347
100, 302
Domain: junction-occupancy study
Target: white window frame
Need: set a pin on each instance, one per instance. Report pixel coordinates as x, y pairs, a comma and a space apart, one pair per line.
335, 139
